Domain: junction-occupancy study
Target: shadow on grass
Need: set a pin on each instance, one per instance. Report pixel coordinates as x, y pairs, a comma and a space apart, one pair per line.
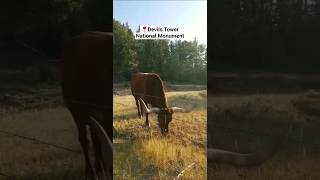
250, 126
247, 125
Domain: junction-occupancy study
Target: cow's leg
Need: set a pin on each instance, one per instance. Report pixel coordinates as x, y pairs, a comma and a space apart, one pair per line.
138, 107
108, 127
147, 121
97, 154
141, 109
81, 121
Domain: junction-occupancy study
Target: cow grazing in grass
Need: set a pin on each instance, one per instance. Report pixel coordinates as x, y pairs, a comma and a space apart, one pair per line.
86, 79
147, 89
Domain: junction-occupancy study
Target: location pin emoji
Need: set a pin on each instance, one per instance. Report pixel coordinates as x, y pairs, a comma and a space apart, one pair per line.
144, 28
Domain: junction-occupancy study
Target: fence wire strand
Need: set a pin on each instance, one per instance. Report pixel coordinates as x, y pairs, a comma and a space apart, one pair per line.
38, 141
7, 176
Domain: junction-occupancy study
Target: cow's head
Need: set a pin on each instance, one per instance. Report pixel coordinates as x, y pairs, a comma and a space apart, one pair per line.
164, 115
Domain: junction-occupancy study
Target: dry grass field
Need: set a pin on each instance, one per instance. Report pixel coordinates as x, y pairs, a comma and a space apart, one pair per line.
38, 114
32, 160
239, 122
246, 123
142, 153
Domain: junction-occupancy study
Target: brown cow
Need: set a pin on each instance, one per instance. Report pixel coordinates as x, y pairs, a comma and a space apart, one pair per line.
147, 89
86, 79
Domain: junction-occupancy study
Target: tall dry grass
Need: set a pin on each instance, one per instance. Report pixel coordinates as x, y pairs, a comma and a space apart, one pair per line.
142, 153
249, 123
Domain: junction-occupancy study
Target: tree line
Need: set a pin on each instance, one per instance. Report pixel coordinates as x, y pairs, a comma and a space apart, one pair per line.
175, 61
264, 35
45, 24
35, 30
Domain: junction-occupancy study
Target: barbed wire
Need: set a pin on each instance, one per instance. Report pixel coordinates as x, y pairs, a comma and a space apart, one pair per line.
38, 141
7, 176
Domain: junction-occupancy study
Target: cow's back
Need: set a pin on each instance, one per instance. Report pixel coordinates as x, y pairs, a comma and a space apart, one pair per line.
87, 69
149, 87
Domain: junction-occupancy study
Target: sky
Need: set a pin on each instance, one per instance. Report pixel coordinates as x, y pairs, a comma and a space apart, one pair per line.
190, 16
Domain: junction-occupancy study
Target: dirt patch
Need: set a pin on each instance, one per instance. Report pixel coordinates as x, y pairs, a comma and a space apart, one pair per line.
308, 103
261, 83
26, 98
